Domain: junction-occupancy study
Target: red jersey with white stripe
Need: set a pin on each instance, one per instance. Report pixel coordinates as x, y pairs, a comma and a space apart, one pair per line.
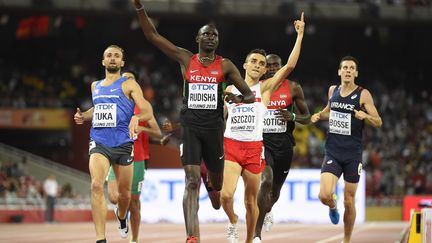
141, 144
202, 94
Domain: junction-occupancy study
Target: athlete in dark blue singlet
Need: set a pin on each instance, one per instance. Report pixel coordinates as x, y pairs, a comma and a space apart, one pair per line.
349, 107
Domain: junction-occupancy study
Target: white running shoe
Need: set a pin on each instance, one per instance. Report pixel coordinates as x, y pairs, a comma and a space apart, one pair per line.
232, 233
123, 231
268, 221
257, 240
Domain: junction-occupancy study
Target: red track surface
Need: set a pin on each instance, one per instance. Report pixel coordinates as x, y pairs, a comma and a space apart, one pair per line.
210, 233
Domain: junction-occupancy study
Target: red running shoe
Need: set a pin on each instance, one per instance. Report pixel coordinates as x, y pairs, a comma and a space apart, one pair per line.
191, 239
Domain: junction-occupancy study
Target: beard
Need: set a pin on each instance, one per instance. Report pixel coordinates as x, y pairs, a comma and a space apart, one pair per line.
113, 69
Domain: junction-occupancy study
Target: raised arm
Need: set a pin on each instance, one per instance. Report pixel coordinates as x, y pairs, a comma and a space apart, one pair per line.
176, 53
232, 73
272, 83
371, 115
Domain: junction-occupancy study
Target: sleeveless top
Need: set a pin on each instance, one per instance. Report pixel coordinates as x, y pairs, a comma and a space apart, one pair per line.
278, 132
111, 115
141, 144
202, 95
245, 122
344, 136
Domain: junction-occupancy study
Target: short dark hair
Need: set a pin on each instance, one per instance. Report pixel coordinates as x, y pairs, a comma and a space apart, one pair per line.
349, 58
257, 51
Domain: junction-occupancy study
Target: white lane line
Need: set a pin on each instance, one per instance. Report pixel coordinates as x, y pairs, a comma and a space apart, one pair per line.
340, 236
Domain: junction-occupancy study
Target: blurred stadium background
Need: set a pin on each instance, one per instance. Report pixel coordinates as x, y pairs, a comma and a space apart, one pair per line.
50, 52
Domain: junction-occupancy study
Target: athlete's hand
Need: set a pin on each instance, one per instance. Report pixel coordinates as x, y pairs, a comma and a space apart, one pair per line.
165, 139
299, 24
78, 117
167, 126
359, 114
315, 117
133, 127
284, 114
232, 98
137, 3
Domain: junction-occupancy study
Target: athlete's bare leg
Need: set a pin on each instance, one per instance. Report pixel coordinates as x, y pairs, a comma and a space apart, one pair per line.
135, 216
350, 211
124, 175
328, 183
264, 198
190, 199
98, 166
232, 171
252, 184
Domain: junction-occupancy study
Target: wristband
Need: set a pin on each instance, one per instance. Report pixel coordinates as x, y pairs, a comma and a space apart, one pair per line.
139, 9
294, 116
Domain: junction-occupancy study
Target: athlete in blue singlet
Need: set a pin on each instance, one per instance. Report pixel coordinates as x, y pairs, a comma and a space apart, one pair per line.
348, 108
114, 126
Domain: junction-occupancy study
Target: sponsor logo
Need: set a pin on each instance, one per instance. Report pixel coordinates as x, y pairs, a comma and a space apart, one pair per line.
112, 90
193, 71
329, 162
359, 169
129, 160
286, 171
354, 96
221, 157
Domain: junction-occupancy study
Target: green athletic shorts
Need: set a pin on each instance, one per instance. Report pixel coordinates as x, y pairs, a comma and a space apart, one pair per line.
138, 176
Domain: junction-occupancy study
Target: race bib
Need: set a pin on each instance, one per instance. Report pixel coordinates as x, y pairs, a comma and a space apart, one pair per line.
243, 117
272, 124
340, 123
105, 115
203, 96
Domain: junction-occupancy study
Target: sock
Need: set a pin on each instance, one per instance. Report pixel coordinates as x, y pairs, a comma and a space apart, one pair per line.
101, 241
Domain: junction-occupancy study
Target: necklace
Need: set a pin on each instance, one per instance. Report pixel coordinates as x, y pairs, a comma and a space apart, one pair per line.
201, 59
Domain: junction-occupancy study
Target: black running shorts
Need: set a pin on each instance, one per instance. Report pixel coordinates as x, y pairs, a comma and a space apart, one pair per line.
203, 144
121, 155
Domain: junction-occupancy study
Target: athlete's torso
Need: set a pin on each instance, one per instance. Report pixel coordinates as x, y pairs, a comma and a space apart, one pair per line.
278, 132
344, 136
141, 144
111, 115
202, 97
245, 122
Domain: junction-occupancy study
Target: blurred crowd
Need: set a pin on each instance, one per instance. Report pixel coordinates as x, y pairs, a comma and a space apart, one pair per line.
19, 187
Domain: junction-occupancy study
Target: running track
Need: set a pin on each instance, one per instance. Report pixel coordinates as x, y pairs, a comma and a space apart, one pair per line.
372, 232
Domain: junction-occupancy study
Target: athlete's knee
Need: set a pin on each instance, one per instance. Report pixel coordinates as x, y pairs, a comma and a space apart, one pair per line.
124, 195
250, 204
325, 197
226, 197
135, 205
266, 184
192, 181
113, 197
349, 201
97, 187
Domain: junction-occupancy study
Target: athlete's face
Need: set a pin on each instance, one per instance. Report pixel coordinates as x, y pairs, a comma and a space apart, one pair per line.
113, 59
255, 65
348, 71
273, 65
208, 38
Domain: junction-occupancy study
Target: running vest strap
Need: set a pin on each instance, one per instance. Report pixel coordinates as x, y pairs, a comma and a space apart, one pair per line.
345, 131
202, 95
277, 132
141, 144
111, 115
245, 121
